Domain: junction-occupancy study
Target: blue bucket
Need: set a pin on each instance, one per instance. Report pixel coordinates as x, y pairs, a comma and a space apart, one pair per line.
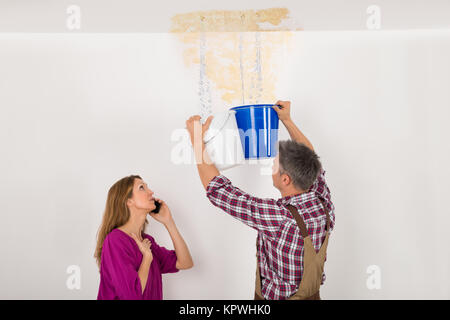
258, 129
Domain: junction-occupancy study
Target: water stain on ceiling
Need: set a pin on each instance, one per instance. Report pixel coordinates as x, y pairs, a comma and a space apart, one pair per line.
273, 19
235, 51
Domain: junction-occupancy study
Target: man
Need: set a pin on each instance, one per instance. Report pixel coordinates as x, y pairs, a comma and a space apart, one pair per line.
290, 229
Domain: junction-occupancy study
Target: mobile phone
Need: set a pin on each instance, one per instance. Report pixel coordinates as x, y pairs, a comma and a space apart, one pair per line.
158, 206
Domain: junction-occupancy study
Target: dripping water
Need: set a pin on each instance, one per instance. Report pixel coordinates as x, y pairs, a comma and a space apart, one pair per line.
241, 65
204, 87
258, 67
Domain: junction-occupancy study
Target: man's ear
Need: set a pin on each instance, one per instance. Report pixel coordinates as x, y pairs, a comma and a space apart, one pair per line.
286, 179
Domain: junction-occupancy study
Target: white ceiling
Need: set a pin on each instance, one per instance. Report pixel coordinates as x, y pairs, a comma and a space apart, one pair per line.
154, 16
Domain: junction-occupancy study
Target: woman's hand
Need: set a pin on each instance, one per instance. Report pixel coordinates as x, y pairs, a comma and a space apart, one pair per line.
144, 246
163, 216
284, 113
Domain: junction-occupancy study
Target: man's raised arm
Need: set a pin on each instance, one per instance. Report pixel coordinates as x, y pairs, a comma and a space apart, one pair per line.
283, 109
206, 168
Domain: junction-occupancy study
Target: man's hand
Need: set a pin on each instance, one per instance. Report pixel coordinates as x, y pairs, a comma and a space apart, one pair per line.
196, 129
206, 169
283, 109
284, 114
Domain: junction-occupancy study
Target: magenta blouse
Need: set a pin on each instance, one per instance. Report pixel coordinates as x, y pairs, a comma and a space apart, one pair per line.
120, 261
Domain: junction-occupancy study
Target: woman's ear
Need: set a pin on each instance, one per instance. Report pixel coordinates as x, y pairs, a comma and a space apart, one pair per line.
130, 202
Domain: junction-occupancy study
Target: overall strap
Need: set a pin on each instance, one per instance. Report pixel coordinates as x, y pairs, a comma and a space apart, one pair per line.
301, 223
299, 219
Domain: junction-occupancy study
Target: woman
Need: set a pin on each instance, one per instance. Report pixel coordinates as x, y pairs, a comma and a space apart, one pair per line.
130, 261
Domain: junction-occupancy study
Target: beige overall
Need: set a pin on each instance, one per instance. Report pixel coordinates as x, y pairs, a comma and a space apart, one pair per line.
313, 263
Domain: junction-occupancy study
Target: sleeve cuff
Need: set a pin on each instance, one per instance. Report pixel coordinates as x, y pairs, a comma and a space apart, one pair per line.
216, 183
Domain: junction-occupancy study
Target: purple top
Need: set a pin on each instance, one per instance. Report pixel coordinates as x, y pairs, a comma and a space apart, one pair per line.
120, 262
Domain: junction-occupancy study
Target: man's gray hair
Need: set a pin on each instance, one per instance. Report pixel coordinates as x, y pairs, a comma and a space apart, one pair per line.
299, 162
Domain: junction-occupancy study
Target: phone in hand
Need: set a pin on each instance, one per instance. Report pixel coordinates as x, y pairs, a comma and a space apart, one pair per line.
158, 206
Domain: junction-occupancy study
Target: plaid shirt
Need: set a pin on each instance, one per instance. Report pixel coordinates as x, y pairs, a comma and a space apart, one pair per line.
279, 243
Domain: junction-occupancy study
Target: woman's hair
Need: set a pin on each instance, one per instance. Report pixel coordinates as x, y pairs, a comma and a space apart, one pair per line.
116, 211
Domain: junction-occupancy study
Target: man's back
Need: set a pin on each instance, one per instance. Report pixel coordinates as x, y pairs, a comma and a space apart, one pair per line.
279, 243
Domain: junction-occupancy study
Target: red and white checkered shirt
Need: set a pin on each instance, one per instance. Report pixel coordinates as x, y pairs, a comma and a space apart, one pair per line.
279, 242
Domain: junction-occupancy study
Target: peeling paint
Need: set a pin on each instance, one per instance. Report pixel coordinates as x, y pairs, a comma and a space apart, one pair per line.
234, 21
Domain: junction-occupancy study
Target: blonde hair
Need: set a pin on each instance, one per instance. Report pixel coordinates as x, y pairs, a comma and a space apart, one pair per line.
116, 212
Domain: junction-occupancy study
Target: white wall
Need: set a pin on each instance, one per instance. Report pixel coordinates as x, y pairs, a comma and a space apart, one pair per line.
79, 112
